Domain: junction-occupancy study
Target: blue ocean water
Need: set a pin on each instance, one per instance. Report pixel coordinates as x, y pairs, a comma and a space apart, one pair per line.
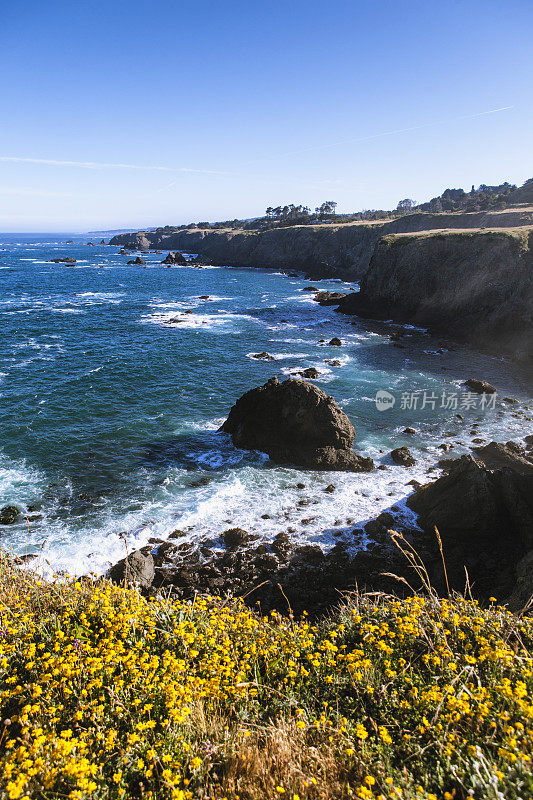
114, 380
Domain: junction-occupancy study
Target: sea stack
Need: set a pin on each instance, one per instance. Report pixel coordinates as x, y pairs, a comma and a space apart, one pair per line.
295, 423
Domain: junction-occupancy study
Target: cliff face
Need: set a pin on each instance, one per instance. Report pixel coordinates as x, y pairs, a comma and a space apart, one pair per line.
470, 285
321, 251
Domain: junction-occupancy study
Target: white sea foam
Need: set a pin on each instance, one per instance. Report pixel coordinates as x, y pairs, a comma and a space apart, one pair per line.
223, 323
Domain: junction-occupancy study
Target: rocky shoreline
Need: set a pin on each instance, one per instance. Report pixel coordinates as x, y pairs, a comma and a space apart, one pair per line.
484, 519
296, 424
477, 519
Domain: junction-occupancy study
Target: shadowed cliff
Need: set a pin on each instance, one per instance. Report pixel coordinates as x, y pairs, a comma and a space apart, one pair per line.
319, 250
475, 286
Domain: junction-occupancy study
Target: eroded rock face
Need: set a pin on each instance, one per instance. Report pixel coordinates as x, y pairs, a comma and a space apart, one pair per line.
295, 423
137, 241
473, 286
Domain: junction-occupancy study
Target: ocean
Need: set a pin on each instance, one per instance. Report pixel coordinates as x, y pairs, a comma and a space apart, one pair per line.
114, 380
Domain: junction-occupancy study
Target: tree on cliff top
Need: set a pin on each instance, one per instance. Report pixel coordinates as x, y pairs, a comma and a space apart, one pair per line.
406, 205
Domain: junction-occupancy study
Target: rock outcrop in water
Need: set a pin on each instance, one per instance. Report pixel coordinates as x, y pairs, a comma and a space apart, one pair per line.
295, 423
175, 258
474, 286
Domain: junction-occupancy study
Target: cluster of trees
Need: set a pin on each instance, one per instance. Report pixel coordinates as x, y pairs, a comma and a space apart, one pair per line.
480, 199
292, 212
483, 198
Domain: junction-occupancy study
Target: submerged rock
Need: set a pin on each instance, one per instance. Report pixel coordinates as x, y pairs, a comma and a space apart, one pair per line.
9, 515
295, 423
62, 261
480, 387
263, 356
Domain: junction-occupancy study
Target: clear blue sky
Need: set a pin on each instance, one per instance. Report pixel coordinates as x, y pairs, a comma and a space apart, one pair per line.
243, 105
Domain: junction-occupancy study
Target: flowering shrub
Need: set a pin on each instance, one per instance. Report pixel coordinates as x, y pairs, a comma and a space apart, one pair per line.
104, 694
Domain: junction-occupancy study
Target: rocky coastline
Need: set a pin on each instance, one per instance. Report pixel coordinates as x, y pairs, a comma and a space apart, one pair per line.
470, 286
320, 251
474, 528
475, 520
468, 276
481, 506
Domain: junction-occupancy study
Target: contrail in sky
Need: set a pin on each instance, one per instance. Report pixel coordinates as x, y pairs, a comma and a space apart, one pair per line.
392, 133
103, 165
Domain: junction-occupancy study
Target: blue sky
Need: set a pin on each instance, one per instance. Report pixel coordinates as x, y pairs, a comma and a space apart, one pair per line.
187, 111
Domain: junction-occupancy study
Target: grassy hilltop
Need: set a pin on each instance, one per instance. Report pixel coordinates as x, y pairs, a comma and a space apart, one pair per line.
105, 694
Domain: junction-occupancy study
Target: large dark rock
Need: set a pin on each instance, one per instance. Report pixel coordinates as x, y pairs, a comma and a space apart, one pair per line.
295, 423
62, 261
485, 520
403, 457
234, 537
496, 456
137, 261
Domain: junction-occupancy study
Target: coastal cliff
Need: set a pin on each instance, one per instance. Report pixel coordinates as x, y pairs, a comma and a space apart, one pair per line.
470, 285
341, 251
